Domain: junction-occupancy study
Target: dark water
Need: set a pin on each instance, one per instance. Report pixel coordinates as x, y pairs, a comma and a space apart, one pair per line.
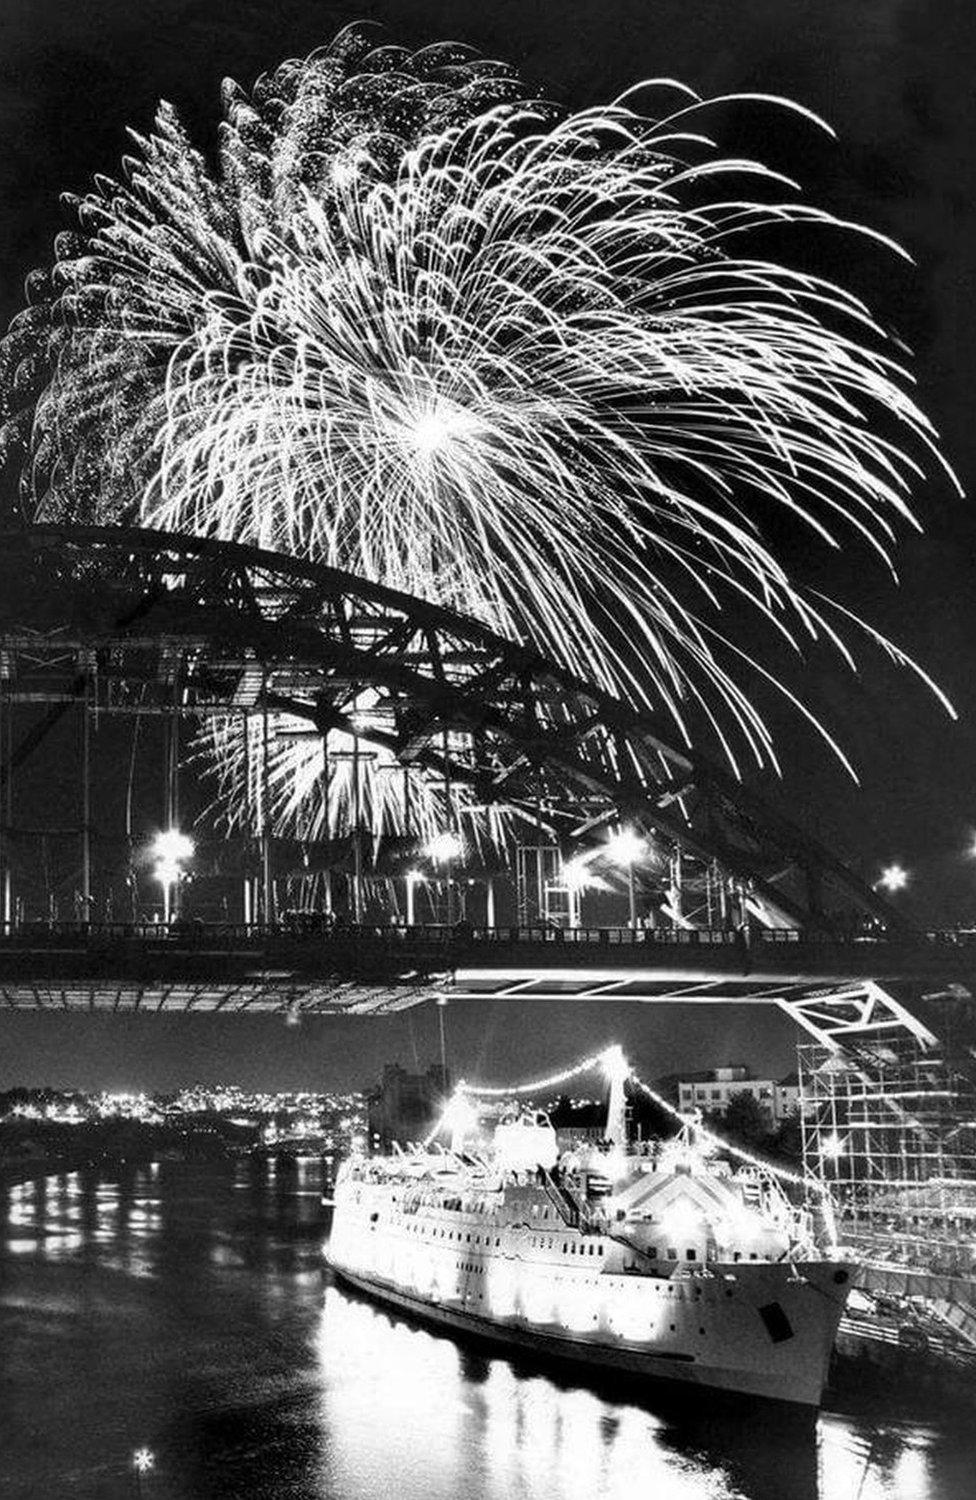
184, 1309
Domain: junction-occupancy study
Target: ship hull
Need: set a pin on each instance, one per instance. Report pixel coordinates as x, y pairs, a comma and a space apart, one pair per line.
755, 1329
633, 1363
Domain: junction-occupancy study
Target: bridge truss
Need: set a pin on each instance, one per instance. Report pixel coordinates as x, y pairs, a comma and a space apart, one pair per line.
113, 621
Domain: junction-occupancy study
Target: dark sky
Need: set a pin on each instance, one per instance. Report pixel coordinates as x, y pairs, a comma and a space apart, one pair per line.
894, 78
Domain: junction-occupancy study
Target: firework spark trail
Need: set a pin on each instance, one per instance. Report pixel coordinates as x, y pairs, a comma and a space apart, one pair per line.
510, 360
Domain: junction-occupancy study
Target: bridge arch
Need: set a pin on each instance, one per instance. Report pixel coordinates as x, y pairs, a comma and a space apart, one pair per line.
135, 611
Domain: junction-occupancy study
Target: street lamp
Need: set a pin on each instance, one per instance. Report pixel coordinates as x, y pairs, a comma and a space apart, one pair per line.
893, 878
444, 848
413, 879
625, 848
143, 1460
173, 850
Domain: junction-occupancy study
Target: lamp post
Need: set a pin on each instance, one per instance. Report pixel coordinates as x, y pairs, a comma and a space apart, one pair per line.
413, 879
143, 1460
625, 848
444, 848
173, 850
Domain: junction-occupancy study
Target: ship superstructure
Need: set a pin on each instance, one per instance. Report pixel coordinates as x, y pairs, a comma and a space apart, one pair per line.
662, 1260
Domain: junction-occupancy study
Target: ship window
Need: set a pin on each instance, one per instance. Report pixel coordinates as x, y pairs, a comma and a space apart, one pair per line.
565, 1247
599, 1250
691, 1253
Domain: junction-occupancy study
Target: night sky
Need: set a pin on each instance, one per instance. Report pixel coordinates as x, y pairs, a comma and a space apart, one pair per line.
895, 81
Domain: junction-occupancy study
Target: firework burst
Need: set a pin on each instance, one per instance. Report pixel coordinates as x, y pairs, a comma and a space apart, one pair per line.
506, 358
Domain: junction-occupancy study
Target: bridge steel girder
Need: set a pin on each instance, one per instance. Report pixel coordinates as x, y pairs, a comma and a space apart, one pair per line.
843, 996
135, 611
838, 1015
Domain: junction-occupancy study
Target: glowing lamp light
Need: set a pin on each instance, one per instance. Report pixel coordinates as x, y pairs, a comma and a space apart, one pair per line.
143, 1459
167, 872
833, 1147
893, 878
415, 876
624, 847
443, 847
173, 847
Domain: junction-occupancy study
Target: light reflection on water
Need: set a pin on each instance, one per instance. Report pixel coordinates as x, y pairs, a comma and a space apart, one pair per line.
184, 1308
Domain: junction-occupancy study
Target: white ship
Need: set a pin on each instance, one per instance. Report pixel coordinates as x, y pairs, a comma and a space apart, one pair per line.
662, 1262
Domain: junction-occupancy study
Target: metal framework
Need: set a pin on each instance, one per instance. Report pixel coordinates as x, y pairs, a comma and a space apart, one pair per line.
374, 968
890, 1127
119, 621
835, 1013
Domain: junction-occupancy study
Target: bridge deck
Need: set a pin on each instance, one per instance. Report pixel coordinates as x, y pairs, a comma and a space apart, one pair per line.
366, 969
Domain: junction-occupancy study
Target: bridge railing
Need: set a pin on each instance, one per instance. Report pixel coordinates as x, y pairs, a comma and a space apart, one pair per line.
315, 927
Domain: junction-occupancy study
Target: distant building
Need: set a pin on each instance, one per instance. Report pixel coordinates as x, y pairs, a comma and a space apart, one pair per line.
712, 1090
404, 1106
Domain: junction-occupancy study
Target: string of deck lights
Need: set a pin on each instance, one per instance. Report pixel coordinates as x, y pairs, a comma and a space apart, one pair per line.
494, 1091
606, 1058
782, 1173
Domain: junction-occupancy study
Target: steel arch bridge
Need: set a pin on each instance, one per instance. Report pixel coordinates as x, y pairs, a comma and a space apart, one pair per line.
141, 621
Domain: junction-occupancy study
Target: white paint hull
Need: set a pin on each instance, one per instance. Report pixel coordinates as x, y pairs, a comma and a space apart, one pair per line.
758, 1329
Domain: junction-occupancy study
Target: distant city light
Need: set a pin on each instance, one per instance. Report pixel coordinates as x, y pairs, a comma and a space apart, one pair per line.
893, 878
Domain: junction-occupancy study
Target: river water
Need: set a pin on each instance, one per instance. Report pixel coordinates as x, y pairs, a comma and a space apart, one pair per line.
184, 1309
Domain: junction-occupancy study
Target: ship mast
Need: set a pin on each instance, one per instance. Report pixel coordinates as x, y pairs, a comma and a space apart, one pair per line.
617, 1070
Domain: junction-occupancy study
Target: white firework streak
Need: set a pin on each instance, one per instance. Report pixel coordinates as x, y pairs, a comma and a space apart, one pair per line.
502, 359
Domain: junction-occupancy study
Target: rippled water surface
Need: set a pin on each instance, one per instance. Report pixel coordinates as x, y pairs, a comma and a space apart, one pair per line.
184, 1309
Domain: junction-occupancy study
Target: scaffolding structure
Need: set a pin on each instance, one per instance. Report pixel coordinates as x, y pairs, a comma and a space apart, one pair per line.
890, 1129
